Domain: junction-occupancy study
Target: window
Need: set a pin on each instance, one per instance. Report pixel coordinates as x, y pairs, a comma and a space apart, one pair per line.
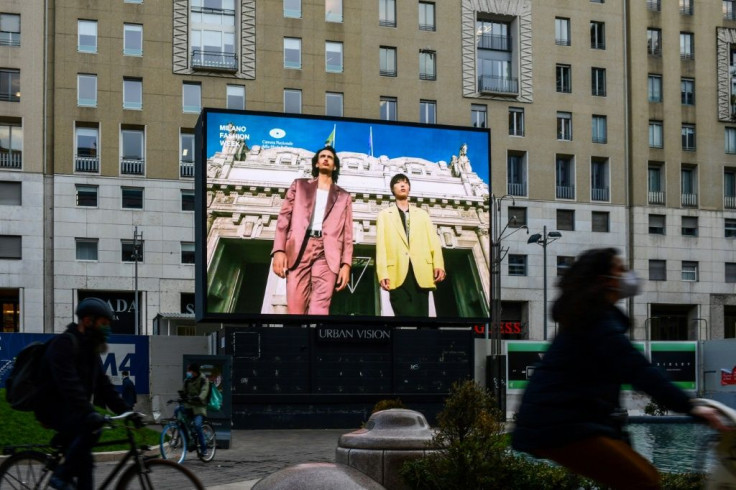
427, 61
562, 31
9, 30
689, 271
516, 173
132, 93
387, 13
654, 42
333, 57
187, 200
133, 40
688, 137
599, 188
564, 79
87, 36
132, 152
517, 216
687, 46
599, 129
388, 61
132, 1
10, 193
333, 10
654, 90
655, 134
293, 101
729, 188
191, 97
479, 115
293, 53
428, 111
689, 226
655, 181
598, 82
186, 154
516, 121
600, 221
729, 227
293, 8
597, 35
729, 9
657, 270
11, 247
566, 219
388, 108
517, 265
212, 35
86, 248
564, 177
132, 197
86, 195
236, 97
564, 263
426, 16
333, 104
689, 186
86, 90
494, 57
657, 224
11, 146
86, 149
564, 126
730, 272
9, 85
687, 91
131, 251
686, 7
730, 140
187, 252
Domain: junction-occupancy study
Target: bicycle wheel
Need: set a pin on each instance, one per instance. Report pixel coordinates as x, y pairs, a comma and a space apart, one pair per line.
210, 441
24, 471
173, 443
159, 474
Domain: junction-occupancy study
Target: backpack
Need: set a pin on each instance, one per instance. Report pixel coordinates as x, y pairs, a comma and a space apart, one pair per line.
214, 398
23, 386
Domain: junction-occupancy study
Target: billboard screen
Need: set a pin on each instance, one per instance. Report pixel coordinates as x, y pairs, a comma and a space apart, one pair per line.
283, 236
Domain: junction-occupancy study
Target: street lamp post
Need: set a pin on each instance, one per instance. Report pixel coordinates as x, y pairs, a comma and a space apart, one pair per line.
136, 256
544, 239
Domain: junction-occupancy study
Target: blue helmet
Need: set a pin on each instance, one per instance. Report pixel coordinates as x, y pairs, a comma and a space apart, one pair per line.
94, 307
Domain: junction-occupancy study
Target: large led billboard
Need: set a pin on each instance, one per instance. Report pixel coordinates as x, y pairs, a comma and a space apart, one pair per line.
279, 231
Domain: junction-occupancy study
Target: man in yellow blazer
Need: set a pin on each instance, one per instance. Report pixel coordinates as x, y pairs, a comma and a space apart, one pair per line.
408, 253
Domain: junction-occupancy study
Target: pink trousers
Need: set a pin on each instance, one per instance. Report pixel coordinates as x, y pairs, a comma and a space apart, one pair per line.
310, 285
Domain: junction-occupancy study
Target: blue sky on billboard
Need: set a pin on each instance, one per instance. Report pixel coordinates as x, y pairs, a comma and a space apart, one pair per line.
429, 142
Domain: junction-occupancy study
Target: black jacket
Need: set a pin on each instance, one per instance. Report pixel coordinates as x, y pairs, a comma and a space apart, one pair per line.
577, 385
72, 374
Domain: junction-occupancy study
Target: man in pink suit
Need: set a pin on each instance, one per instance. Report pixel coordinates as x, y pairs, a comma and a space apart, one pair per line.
313, 246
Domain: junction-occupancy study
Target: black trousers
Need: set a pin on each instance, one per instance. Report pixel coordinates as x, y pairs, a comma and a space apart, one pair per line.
409, 299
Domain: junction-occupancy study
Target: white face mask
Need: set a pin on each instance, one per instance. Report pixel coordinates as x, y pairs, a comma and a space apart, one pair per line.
629, 284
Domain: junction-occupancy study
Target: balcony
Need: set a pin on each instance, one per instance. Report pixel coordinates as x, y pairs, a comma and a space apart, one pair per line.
86, 164
656, 197
12, 160
186, 170
516, 189
214, 60
565, 192
600, 194
689, 200
494, 42
489, 84
131, 166
729, 202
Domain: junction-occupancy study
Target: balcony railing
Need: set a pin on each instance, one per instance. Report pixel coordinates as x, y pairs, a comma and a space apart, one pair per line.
388, 73
689, 200
214, 60
565, 192
515, 189
427, 76
9, 38
729, 13
687, 56
186, 169
495, 42
655, 50
598, 138
686, 9
656, 197
11, 160
498, 84
599, 194
130, 166
729, 202
597, 45
10, 96
654, 5
426, 27
86, 164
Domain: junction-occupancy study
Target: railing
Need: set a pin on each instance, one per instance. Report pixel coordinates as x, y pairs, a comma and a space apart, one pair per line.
654, 5
565, 192
214, 60
597, 45
656, 197
387, 22
9, 97
186, 169
600, 138
654, 50
599, 194
388, 73
86, 164
427, 76
729, 202
426, 27
515, 189
687, 56
689, 200
494, 42
129, 166
562, 42
498, 84
686, 9
11, 160
9, 38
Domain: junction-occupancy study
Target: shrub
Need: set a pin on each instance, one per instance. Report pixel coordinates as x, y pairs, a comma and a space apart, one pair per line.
387, 404
654, 408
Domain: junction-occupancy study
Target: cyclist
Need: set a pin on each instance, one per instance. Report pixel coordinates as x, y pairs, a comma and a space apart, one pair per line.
72, 375
194, 405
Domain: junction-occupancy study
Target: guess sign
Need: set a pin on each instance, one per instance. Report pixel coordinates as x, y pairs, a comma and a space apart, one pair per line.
505, 328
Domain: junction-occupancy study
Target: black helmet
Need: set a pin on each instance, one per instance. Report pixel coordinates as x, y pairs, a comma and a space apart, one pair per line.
94, 307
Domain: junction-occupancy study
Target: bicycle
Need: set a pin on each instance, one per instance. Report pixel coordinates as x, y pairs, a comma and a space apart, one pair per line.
30, 466
179, 436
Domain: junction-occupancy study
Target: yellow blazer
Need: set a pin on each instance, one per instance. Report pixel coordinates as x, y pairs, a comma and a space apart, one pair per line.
394, 251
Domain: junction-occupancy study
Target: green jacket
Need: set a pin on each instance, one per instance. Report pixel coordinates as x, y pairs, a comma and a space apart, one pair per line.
195, 392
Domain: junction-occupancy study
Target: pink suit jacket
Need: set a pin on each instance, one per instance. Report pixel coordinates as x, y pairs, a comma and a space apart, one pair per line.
296, 214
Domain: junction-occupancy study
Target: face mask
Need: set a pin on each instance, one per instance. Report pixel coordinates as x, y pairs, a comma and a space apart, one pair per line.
189, 374
629, 284
105, 330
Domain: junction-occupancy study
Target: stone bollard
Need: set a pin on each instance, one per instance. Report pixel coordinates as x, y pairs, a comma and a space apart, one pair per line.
390, 438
